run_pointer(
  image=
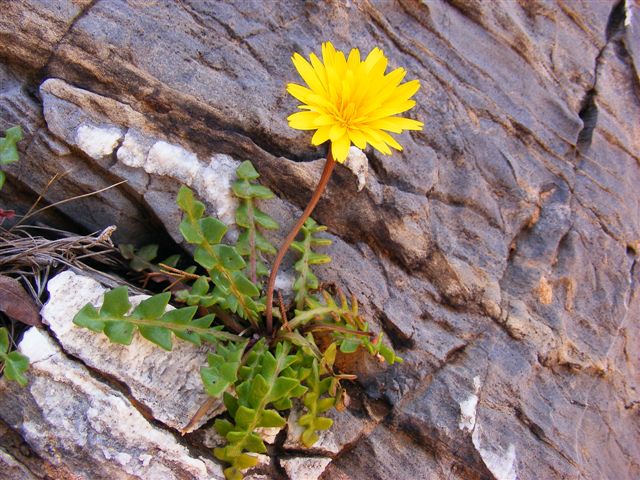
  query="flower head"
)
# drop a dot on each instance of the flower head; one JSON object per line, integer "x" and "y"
{"x": 349, "y": 100}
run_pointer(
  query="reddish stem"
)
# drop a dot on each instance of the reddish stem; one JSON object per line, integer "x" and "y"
{"x": 322, "y": 183}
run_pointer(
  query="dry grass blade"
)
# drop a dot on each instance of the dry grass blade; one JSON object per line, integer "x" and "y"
{"x": 21, "y": 251}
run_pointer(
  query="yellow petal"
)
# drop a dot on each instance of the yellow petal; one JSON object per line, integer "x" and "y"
{"x": 396, "y": 124}
{"x": 321, "y": 135}
{"x": 307, "y": 73}
{"x": 391, "y": 109}
{"x": 358, "y": 138}
{"x": 389, "y": 140}
{"x": 303, "y": 120}
{"x": 340, "y": 148}
{"x": 354, "y": 59}
{"x": 337, "y": 131}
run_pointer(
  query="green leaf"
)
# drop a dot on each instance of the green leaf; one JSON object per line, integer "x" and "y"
{"x": 16, "y": 364}
{"x": 4, "y": 340}
{"x": 246, "y": 171}
{"x": 245, "y": 286}
{"x": 204, "y": 258}
{"x": 254, "y": 443}
{"x": 88, "y": 317}
{"x": 271, "y": 419}
{"x": 191, "y": 231}
{"x": 159, "y": 335}
{"x": 222, "y": 371}
{"x": 119, "y": 332}
{"x": 179, "y": 316}
{"x": 148, "y": 252}
{"x": 152, "y": 307}
{"x": 258, "y": 391}
{"x": 223, "y": 426}
{"x": 264, "y": 245}
{"x": 228, "y": 257}
{"x": 244, "y": 189}
{"x": 264, "y": 220}
{"x": 3, "y": 177}
{"x": 245, "y": 417}
{"x": 213, "y": 230}
{"x": 115, "y": 303}
{"x": 8, "y": 146}
{"x": 282, "y": 387}
{"x": 246, "y": 461}
{"x": 193, "y": 208}
{"x": 242, "y": 216}
{"x": 349, "y": 345}
{"x": 330, "y": 355}
{"x": 309, "y": 437}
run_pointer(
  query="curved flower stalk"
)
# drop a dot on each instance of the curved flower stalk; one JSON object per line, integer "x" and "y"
{"x": 347, "y": 101}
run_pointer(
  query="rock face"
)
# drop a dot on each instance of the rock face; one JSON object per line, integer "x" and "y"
{"x": 498, "y": 251}
{"x": 86, "y": 429}
{"x": 167, "y": 384}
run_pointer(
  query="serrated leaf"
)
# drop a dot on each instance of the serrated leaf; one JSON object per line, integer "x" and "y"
{"x": 264, "y": 220}
{"x": 283, "y": 404}
{"x": 245, "y": 286}
{"x": 119, "y": 332}
{"x": 212, "y": 229}
{"x": 349, "y": 345}
{"x": 264, "y": 245}
{"x": 283, "y": 386}
{"x": 230, "y": 402}
{"x": 323, "y": 423}
{"x": 16, "y": 364}
{"x": 115, "y": 303}
{"x": 309, "y": 438}
{"x": 254, "y": 443}
{"x": 152, "y": 307}
{"x": 192, "y": 207}
{"x": 228, "y": 257}
{"x": 258, "y": 391}
{"x": 271, "y": 419}
{"x": 191, "y": 232}
{"x": 88, "y": 317}
{"x": 181, "y": 316}
{"x": 246, "y": 461}
{"x": 247, "y": 171}
{"x": 158, "y": 335}
{"x": 8, "y": 146}
{"x": 223, "y": 426}
{"x": 245, "y": 417}
{"x": 325, "y": 404}
{"x": 204, "y": 258}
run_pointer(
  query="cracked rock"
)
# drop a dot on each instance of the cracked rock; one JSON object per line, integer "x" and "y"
{"x": 166, "y": 383}
{"x": 85, "y": 428}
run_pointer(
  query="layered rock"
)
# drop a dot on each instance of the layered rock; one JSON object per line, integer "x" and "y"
{"x": 498, "y": 251}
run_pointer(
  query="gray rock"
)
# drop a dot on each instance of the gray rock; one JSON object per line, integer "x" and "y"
{"x": 13, "y": 469}
{"x": 85, "y": 428}
{"x": 166, "y": 383}
{"x": 305, "y": 468}
{"x": 501, "y": 244}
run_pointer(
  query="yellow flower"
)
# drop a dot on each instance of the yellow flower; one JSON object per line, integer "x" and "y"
{"x": 352, "y": 101}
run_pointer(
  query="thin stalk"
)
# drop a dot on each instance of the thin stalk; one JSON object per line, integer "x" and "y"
{"x": 322, "y": 183}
